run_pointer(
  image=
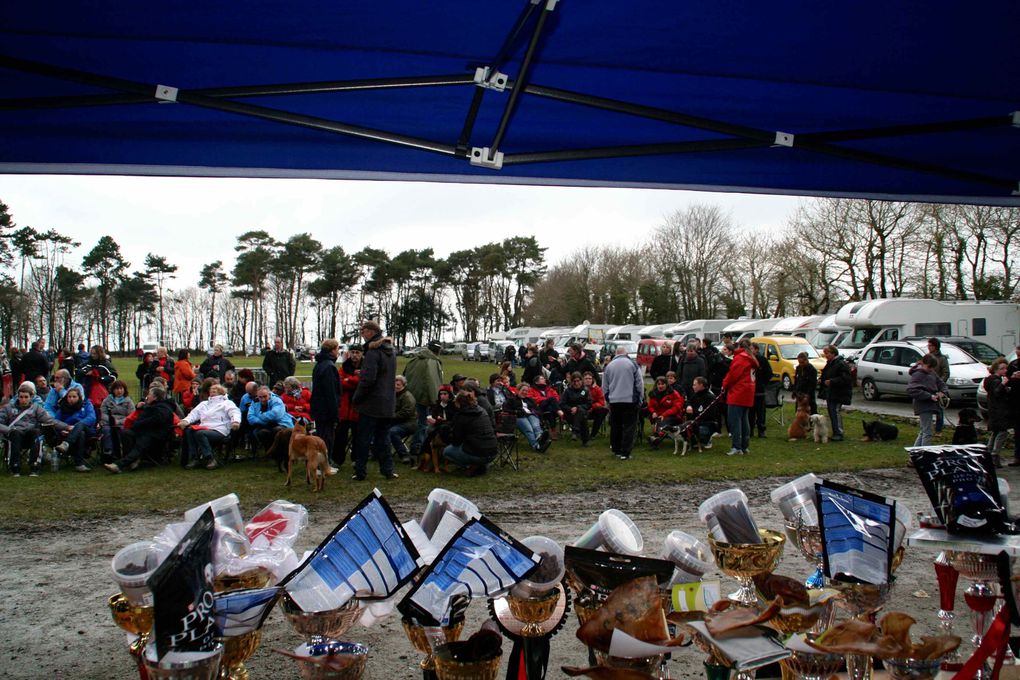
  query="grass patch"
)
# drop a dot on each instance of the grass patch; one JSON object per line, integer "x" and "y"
{"x": 67, "y": 495}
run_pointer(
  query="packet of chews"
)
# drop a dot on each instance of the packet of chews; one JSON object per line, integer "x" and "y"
{"x": 602, "y": 572}
{"x": 242, "y": 611}
{"x": 368, "y": 555}
{"x": 182, "y": 592}
{"x": 857, "y": 533}
{"x": 695, "y": 597}
{"x": 480, "y": 560}
{"x": 961, "y": 484}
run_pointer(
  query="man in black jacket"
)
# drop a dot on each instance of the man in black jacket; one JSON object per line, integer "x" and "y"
{"x": 579, "y": 362}
{"x": 278, "y": 362}
{"x": 762, "y": 377}
{"x": 34, "y": 362}
{"x": 324, "y": 406}
{"x": 151, "y": 431}
{"x": 375, "y": 399}
{"x": 836, "y": 386}
{"x": 472, "y": 436}
{"x": 805, "y": 381}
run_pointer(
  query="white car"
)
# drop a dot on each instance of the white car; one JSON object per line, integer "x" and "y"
{"x": 884, "y": 368}
{"x": 469, "y": 351}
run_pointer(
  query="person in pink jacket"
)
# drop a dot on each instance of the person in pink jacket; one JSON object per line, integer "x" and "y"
{"x": 739, "y": 387}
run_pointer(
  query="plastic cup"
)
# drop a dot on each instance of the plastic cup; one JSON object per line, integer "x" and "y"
{"x": 689, "y": 555}
{"x": 550, "y": 550}
{"x": 441, "y": 501}
{"x": 132, "y": 566}
{"x": 226, "y": 510}
{"x": 798, "y": 498}
{"x": 615, "y": 532}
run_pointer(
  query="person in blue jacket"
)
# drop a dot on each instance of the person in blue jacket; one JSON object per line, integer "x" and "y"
{"x": 267, "y": 415}
{"x": 62, "y": 382}
{"x": 76, "y": 423}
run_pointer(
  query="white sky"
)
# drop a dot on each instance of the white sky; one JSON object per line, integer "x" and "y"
{"x": 194, "y": 221}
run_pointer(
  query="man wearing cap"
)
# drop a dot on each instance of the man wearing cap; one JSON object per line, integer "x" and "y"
{"x": 424, "y": 373}
{"x": 457, "y": 382}
{"x": 375, "y": 398}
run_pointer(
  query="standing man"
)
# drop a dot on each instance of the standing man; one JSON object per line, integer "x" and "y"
{"x": 805, "y": 381}
{"x": 375, "y": 400}
{"x": 532, "y": 364}
{"x": 624, "y": 390}
{"x": 424, "y": 374}
{"x": 278, "y": 362}
{"x": 762, "y": 377}
{"x": 34, "y": 363}
{"x": 836, "y": 388}
{"x": 324, "y": 405}
{"x": 942, "y": 371}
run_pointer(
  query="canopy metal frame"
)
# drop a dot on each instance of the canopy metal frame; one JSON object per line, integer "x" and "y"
{"x": 533, "y": 16}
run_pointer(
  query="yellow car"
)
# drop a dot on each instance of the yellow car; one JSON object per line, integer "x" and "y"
{"x": 782, "y": 351}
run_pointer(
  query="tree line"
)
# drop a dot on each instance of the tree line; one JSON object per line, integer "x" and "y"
{"x": 699, "y": 265}
{"x": 297, "y": 289}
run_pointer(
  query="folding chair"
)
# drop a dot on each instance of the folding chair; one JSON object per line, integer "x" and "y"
{"x": 774, "y": 402}
{"x": 508, "y": 452}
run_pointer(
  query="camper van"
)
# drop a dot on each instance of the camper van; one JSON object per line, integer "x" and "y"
{"x": 631, "y": 332}
{"x": 698, "y": 329}
{"x": 871, "y": 321}
{"x": 826, "y": 333}
{"x": 748, "y": 328}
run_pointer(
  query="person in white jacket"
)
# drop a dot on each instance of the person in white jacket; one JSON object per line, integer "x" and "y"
{"x": 208, "y": 425}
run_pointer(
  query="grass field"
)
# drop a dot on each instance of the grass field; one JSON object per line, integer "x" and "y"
{"x": 56, "y": 498}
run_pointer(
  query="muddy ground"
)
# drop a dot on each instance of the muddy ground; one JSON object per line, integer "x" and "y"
{"x": 56, "y": 623}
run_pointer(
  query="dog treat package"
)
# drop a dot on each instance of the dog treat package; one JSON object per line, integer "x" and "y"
{"x": 481, "y": 560}
{"x": 858, "y": 533}
{"x": 601, "y": 572}
{"x": 182, "y": 591}
{"x": 368, "y": 555}
{"x": 962, "y": 487}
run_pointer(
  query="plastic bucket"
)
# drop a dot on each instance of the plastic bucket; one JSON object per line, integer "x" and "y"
{"x": 615, "y": 532}
{"x": 132, "y": 566}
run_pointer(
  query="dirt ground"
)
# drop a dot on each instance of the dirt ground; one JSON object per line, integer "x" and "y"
{"x": 56, "y": 623}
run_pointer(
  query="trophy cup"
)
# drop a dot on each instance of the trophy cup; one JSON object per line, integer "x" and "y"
{"x": 329, "y": 660}
{"x": 980, "y": 595}
{"x": 321, "y": 627}
{"x": 808, "y": 538}
{"x": 744, "y": 561}
{"x": 947, "y": 577}
{"x": 135, "y": 619}
{"x": 448, "y": 668}
{"x": 861, "y": 601}
{"x": 239, "y": 648}
{"x": 183, "y": 665}
{"x": 418, "y": 637}
{"x": 913, "y": 669}
{"x": 806, "y": 663}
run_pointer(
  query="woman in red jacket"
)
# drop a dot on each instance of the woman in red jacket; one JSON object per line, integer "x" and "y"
{"x": 739, "y": 387}
{"x": 350, "y": 375}
{"x": 297, "y": 399}
{"x": 665, "y": 409}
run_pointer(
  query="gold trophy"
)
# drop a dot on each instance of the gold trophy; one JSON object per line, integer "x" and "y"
{"x": 419, "y": 640}
{"x": 744, "y": 561}
{"x": 239, "y": 648}
{"x": 132, "y": 618}
{"x": 343, "y": 661}
{"x": 803, "y": 664}
{"x": 861, "y": 601}
{"x": 205, "y": 667}
{"x": 449, "y": 669}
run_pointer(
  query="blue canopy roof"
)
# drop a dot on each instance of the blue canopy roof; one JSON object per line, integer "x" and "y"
{"x": 877, "y": 99}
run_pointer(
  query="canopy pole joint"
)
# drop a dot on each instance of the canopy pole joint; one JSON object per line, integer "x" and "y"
{"x": 783, "y": 139}
{"x": 166, "y": 94}
{"x": 492, "y": 81}
{"x": 486, "y": 158}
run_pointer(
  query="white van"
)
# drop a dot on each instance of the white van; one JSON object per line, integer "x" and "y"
{"x": 894, "y": 318}
{"x": 630, "y": 332}
{"x": 748, "y": 328}
{"x": 697, "y": 329}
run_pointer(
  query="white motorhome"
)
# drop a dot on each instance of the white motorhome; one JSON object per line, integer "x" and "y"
{"x": 697, "y": 329}
{"x": 523, "y": 335}
{"x": 629, "y": 332}
{"x": 994, "y": 322}
{"x": 657, "y": 330}
{"x": 828, "y": 332}
{"x": 749, "y": 328}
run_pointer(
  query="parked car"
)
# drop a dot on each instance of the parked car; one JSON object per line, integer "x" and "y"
{"x": 884, "y": 368}
{"x": 781, "y": 352}
{"x": 609, "y": 349}
{"x": 459, "y": 349}
{"x": 482, "y": 352}
{"x": 982, "y": 395}
{"x": 648, "y": 349}
{"x": 469, "y": 350}
{"x": 981, "y": 351}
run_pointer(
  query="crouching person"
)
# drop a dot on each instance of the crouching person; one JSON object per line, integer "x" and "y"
{"x": 75, "y": 424}
{"x": 21, "y": 420}
{"x": 472, "y": 437}
{"x": 149, "y": 432}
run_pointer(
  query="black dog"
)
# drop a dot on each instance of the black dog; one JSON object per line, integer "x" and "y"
{"x": 280, "y": 448}
{"x": 965, "y": 432}
{"x": 877, "y": 431}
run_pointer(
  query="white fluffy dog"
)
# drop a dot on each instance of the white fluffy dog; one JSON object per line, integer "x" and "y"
{"x": 819, "y": 428}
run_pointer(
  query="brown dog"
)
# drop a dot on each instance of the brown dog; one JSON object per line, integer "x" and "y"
{"x": 801, "y": 420}
{"x": 312, "y": 450}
